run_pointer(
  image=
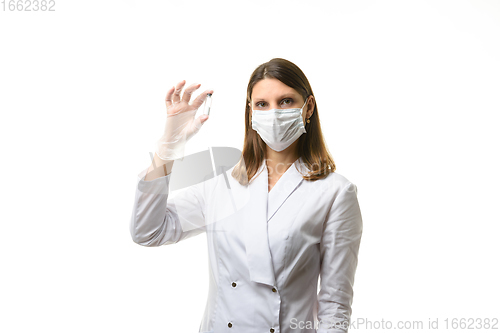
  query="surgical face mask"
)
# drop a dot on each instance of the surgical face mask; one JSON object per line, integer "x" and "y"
{"x": 279, "y": 128}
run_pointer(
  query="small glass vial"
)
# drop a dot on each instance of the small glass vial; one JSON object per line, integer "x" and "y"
{"x": 208, "y": 104}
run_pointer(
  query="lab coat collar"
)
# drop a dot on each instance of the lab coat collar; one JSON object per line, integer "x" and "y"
{"x": 264, "y": 205}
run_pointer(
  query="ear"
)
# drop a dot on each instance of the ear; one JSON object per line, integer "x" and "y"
{"x": 310, "y": 106}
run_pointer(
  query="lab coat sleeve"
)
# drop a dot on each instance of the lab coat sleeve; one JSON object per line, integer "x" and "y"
{"x": 339, "y": 248}
{"x": 156, "y": 221}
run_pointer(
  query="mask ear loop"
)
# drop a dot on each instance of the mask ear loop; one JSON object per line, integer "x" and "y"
{"x": 307, "y": 119}
{"x": 305, "y": 103}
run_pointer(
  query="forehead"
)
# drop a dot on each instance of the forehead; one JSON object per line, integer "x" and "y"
{"x": 270, "y": 88}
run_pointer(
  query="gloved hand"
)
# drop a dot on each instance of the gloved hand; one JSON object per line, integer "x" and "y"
{"x": 180, "y": 125}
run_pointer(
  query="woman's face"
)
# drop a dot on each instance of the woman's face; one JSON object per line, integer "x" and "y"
{"x": 270, "y": 93}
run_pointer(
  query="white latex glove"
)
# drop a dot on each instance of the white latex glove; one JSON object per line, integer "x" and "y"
{"x": 180, "y": 125}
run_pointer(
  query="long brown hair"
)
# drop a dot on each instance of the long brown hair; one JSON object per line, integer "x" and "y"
{"x": 311, "y": 146}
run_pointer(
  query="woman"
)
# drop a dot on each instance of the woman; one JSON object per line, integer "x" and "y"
{"x": 283, "y": 218}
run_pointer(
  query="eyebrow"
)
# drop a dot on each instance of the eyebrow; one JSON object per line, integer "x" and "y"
{"x": 289, "y": 95}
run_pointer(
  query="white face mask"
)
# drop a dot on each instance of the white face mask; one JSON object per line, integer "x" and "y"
{"x": 279, "y": 128}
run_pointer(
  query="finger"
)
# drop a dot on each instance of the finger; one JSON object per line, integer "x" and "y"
{"x": 177, "y": 92}
{"x": 201, "y": 98}
{"x": 186, "y": 96}
{"x": 168, "y": 99}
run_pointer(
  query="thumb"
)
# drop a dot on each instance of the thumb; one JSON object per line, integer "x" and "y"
{"x": 198, "y": 122}
{"x": 203, "y": 118}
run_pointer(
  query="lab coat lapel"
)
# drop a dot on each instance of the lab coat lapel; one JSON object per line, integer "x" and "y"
{"x": 260, "y": 264}
{"x": 258, "y": 252}
{"x": 287, "y": 183}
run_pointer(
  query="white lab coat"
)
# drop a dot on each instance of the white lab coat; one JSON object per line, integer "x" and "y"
{"x": 266, "y": 250}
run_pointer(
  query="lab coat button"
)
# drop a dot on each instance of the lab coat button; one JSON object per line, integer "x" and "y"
{"x": 274, "y": 290}
{"x": 234, "y": 284}
{"x": 229, "y": 325}
{"x": 271, "y": 330}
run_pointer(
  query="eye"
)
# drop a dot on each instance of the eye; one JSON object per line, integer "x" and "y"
{"x": 260, "y": 104}
{"x": 287, "y": 101}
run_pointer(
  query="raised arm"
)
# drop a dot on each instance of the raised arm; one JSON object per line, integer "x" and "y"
{"x": 157, "y": 220}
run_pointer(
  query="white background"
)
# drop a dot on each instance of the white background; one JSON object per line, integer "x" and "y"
{"x": 408, "y": 97}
